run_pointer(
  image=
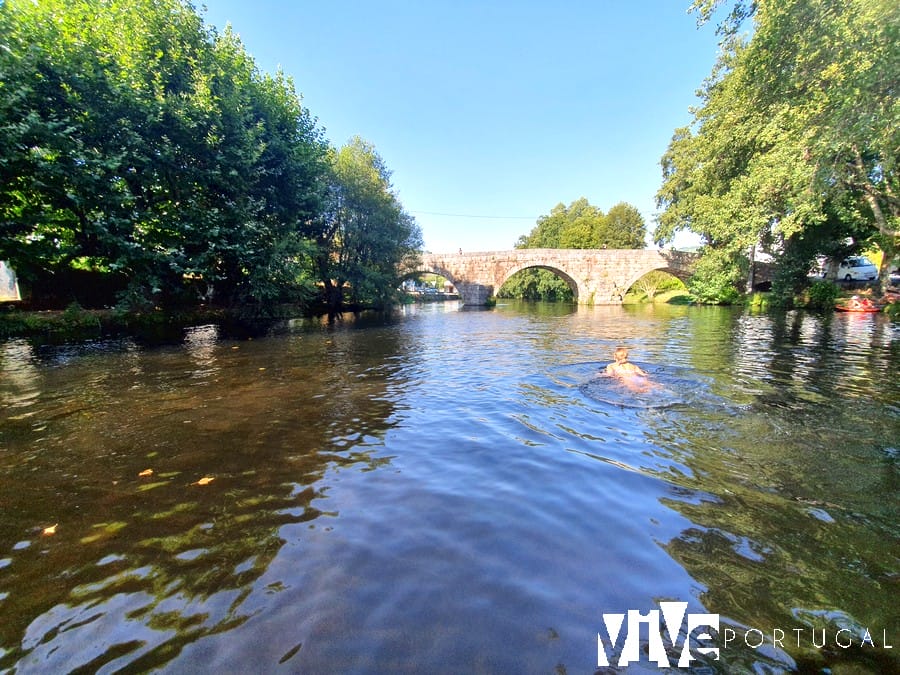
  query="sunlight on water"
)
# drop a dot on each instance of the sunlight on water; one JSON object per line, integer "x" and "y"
{"x": 451, "y": 491}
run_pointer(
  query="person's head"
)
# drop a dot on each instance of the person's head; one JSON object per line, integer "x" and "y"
{"x": 621, "y": 355}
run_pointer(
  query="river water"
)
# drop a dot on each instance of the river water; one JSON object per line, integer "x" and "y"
{"x": 448, "y": 491}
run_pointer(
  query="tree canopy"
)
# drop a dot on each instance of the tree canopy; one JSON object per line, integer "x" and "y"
{"x": 795, "y": 143}
{"x": 136, "y": 141}
{"x": 364, "y": 230}
{"x": 582, "y": 225}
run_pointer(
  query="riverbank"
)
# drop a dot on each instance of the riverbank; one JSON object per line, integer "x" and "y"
{"x": 822, "y": 297}
{"x": 76, "y": 323}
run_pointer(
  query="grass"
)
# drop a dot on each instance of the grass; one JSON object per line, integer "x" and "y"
{"x": 677, "y": 296}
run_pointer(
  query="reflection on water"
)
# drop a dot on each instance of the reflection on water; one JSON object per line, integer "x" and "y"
{"x": 445, "y": 491}
{"x": 19, "y": 378}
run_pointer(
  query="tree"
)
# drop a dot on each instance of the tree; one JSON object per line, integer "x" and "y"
{"x": 798, "y": 126}
{"x": 136, "y": 140}
{"x": 582, "y": 225}
{"x": 623, "y": 227}
{"x": 365, "y": 234}
{"x": 275, "y": 183}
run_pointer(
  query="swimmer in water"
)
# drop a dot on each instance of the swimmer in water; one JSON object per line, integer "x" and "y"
{"x": 631, "y": 375}
{"x": 622, "y": 367}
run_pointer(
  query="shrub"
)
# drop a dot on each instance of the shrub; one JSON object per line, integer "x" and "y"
{"x": 716, "y": 278}
{"x": 822, "y": 295}
{"x": 759, "y": 301}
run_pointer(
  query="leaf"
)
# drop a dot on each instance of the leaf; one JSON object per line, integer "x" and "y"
{"x": 206, "y": 480}
{"x": 47, "y": 531}
{"x": 145, "y": 473}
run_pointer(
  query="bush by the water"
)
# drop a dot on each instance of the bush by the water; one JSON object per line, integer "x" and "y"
{"x": 822, "y": 295}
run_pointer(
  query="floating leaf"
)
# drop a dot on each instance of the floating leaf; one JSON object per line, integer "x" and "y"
{"x": 206, "y": 480}
{"x": 47, "y": 531}
{"x": 145, "y": 473}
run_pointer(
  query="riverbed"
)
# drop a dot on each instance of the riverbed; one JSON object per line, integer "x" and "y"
{"x": 444, "y": 491}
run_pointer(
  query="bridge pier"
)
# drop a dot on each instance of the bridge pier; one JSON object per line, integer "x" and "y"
{"x": 474, "y": 295}
{"x": 600, "y": 292}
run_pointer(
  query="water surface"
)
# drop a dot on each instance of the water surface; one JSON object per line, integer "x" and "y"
{"x": 450, "y": 491}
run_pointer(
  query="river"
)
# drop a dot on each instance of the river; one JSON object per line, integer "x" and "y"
{"x": 450, "y": 491}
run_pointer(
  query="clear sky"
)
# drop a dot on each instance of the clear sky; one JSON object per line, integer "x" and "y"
{"x": 491, "y": 112}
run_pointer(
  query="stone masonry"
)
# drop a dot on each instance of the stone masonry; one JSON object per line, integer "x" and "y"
{"x": 596, "y": 276}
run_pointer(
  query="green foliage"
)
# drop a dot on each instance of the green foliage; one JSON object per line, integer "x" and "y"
{"x": 623, "y": 227}
{"x": 655, "y": 282}
{"x": 796, "y": 135}
{"x": 715, "y": 280}
{"x": 537, "y": 284}
{"x": 681, "y": 299}
{"x": 138, "y": 141}
{"x": 582, "y": 225}
{"x": 758, "y": 301}
{"x": 365, "y": 232}
{"x": 822, "y": 295}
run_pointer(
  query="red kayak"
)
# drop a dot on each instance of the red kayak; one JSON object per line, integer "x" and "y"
{"x": 866, "y": 309}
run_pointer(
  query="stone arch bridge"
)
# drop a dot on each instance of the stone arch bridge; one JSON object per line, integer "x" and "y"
{"x": 596, "y": 276}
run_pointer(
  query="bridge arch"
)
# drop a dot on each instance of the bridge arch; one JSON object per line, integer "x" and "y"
{"x": 678, "y": 273}
{"x": 425, "y": 268}
{"x": 562, "y": 274}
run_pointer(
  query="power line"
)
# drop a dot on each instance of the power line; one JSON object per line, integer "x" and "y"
{"x": 470, "y": 215}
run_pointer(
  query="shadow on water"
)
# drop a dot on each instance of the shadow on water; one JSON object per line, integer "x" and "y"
{"x": 115, "y": 444}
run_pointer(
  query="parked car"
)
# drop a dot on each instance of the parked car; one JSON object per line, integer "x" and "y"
{"x": 894, "y": 278}
{"x": 857, "y": 268}
{"x": 816, "y": 272}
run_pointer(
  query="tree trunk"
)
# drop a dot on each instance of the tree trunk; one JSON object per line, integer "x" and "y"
{"x": 334, "y": 297}
{"x": 333, "y": 288}
{"x": 751, "y": 281}
{"x": 871, "y": 196}
{"x": 888, "y": 235}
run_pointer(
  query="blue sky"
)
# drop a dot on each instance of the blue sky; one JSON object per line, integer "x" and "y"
{"x": 490, "y": 113}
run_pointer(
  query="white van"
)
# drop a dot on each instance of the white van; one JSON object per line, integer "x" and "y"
{"x": 857, "y": 268}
